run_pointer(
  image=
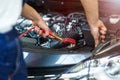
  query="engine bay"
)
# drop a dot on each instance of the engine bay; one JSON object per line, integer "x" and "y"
{"x": 74, "y": 25}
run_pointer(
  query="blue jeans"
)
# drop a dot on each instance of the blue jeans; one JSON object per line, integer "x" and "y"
{"x": 12, "y": 65}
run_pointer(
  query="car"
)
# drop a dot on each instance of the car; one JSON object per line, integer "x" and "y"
{"x": 49, "y": 59}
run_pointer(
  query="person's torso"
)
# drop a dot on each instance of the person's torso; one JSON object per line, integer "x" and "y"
{"x": 10, "y": 10}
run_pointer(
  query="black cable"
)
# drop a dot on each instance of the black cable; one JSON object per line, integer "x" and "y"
{"x": 89, "y": 70}
{"x": 89, "y": 67}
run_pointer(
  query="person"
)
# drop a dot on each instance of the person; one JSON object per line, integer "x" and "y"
{"x": 97, "y": 27}
{"x": 12, "y": 65}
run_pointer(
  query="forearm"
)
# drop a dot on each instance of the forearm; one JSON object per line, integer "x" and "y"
{"x": 91, "y": 10}
{"x": 32, "y": 14}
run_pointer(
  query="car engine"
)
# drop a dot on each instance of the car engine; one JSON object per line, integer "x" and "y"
{"x": 74, "y": 25}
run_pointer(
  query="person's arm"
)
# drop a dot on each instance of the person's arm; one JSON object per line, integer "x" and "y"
{"x": 32, "y": 14}
{"x": 98, "y": 29}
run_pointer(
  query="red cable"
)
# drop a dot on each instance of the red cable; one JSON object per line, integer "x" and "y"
{"x": 23, "y": 34}
{"x": 65, "y": 40}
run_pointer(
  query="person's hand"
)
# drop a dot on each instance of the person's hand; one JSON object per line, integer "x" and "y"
{"x": 98, "y": 31}
{"x": 41, "y": 30}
